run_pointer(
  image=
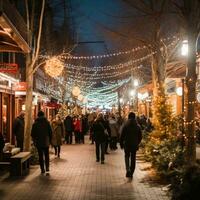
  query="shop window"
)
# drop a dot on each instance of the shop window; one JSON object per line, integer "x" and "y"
{"x": 5, "y": 117}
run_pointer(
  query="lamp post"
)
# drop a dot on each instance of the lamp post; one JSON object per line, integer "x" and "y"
{"x": 184, "y": 52}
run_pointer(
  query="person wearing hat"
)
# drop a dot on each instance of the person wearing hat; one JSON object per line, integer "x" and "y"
{"x": 41, "y": 134}
{"x": 130, "y": 139}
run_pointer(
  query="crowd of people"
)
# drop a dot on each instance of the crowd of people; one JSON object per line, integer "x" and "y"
{"x": 105, "y": 131}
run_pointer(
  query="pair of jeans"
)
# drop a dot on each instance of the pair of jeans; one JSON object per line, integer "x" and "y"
{"x": 113, "y": 143}
{"x": 20, "y": 144}
{"x": 77, "y": 136}
{"x": 130, "y": 160}
{"x": 43, "y": 153}
{"x": 57, "y": 150}
{"x": 100, "y": 146}
{"x": 68, "y": 137}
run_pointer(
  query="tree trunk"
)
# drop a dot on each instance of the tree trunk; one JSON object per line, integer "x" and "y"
{"x": 28, "y": 104}
{"x": 30, "y": 64}
{"x": 158, "y": 66}
{"x": 191, "y": 79}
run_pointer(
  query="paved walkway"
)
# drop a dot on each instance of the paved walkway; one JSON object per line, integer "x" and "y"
{"x": 76, "y": 176}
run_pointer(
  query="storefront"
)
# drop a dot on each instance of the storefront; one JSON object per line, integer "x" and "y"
{"x": 7, "y": 106}
{"x": 38, "y": 103}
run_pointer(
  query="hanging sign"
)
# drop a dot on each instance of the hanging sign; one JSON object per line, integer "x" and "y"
{"x": 53, "y": 105}
{"x": 9, "y": 67}
{"x": 21, "y": 86}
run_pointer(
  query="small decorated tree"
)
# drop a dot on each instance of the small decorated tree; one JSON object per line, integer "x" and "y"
{"x": 163, "y": 147}
{"x": 63, "y": 111}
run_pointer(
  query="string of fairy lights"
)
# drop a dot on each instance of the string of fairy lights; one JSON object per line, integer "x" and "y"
{"x": 86, "y": 76}
{"x": 68, "y": 56}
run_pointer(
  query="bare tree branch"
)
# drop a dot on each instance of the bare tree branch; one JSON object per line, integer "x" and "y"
{"x": 39, "y": 35}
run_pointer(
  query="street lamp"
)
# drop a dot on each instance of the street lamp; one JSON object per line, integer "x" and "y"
{"x": 184, "y": 48}
{"x": 135, "y": 83}
{"x": 179, "y": 91}
{"x": 132, "y": 93}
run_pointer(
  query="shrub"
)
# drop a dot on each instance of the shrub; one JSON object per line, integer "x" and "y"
{"x": 165, "y": 154}
{"x": 34, "y": 158}
{"x": 185, "y": 185}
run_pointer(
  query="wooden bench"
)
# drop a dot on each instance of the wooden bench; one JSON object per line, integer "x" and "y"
{"x": 20, "y": 163}
{"x": 8, "y": 154}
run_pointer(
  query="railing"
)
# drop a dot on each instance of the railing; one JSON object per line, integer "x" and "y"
{"x": 15, "y": 18}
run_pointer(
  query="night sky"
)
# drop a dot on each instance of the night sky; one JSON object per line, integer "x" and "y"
{"x": 105, "y": 23}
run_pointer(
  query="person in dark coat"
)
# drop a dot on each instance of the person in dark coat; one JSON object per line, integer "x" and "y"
{"x": 98, "y": 130}
{"x": 68, "y": 123}
{"x": 18, "y": 130}
{"x": 130, "y": 139}
{"x": 84, "y": 131}
{"x": 2, "y": 144}
{"x": 108, "y": 135}
{"x": 41, "y": 134}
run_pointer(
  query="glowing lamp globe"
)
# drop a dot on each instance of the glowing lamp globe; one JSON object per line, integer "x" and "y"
{"x": 76, "y": 91}
{"x": 198, "y": 97}
{"x": 184, "y": 48}
{"x": 179, "y": 91}
{"x": 85, "y": 100}
{"x": 132, "y": 93}
{"x": 80, "y": 97}
{"x": 54, "y": 67}
{"x": 136, "y": 83}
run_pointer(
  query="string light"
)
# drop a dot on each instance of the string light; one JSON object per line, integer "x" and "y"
{"x": 92, "y": 57}
{"x": 113, "y": 74}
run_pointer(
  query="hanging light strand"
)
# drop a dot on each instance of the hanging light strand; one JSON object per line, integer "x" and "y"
{"x": 119, "y": 53}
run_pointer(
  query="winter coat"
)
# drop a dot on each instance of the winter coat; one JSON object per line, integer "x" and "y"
{"x": 2, "y": 143}
{"x": 77, "y": 125}
{"x": 18, "y": 128}
{"x": 98, "y": 130}
{"x": 85, "y": 125}
{"x": 68, "y": 123}
{"x": 131, "y": 135}
{"x": 41, "y": 132}
{"x": 113, "y": 128}
{"x": 57, "y": 132}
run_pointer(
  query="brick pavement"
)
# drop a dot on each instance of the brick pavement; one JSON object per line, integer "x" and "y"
{"x": 76, "y": 176}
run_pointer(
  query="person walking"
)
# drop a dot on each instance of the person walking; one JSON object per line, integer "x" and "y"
{"x": 107, "y": 130}
{"x": 130, "y": 139}
{"x": 68, "y": 123}
{"x": 41, "y": 134}
{"x": 98, "y": 130}
{"x": 57, "y": 134}
{"x": 84, "y": 128}
{"x": 18, "y": 130}
{"x": 113, "y": 132}
{"x": 77, "y": 130}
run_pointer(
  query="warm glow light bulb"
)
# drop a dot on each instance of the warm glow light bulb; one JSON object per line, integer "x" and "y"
{"x": 184, "y": 48}
{"x": 179, "y": 91}
{"x": 135, "y": 83}
{"x": 132, "y": 93}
